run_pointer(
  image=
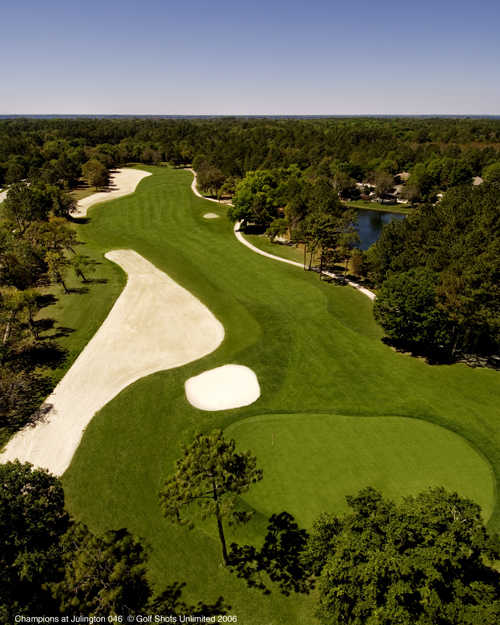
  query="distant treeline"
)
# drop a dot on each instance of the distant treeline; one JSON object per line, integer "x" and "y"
{"x": 57, "y": 148}
{"x": 292, "y": 177}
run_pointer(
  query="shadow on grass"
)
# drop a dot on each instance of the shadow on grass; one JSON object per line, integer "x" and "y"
{"x": 96, "y": 281}
{"x": 78, "y": 220}
{"x": 280, "y": 560}
{"x": 80, "y": 290}
{"x": 45, "y": 353}
{"x": 440, "y": 356}
{"x": 43, "y": 326}
{"x": 44, "y": 300}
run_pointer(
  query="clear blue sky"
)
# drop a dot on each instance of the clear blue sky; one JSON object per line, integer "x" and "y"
{"x": 274, "y": 57}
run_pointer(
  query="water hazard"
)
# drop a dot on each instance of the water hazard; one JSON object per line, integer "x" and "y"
{"x": 370, "y": 224}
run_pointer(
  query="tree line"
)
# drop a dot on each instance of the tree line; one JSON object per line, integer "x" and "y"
{"x": 226, "y": 149}
{"x": 52, "y": 565}
{"x": 38, "y": 247}
{"x": 438, "y": 275}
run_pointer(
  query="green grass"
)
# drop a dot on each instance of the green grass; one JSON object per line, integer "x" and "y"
{"x": 396, "y": 455}
{"x": 79, "y": 314}
{"x": 315, "y": 349}
{"x": 82, "y": 192}
{"x": 285, "y": 251}
{"x": 375, "y": 206}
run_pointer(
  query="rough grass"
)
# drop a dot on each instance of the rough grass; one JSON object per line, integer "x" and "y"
{"x": 315, "y": 349}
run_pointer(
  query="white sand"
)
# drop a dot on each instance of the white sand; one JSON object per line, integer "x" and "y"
{"x": 3, "y": 195}
{"x": 229, "y": 386}
{"x": 210, "y": 216}
{"x": 122, "y": 182}
{"x": 155, "y": 324}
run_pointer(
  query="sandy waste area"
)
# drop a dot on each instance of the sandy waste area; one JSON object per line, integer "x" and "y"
{"x": 122, "y": 182}
{"x": 154, "y": 325}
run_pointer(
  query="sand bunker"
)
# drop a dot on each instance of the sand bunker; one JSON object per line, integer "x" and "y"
{"x": 230, "y": 386}
{"x": 210, "y": 216}
{"x": 122, "y": 182}
{"x": 155, "y": 324}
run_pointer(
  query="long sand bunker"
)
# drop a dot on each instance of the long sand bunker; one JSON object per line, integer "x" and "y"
{"x": 154, "y": 325}
{"x": 122, "y": 182}
{"x": 211, "y": 216}
{"x": 223, "y": 388}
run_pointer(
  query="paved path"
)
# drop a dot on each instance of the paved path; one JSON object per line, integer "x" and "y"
{"x": 241, "y": 239}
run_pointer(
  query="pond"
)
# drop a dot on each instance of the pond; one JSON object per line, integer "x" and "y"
{"x": 370, "y": 224}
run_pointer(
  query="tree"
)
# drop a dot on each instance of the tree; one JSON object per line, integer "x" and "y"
{"x": 32, "y": 521}
{"x": 57, "y": 264}
{"x": 15, "y": 170}
{"x": 16, "y": 307}
{"x": 346, "y": 244}
{"x": 492, "y": 173}
{"x": 280, "y": 558}
{"x": 319, "y": 235}
{"x": 455, "y": 247}
{"x": 345, "y": 185}
{"x": 424, "y": 561}
{"x": 14, "y": 304}
{"x": 210, "y": 179}
{"x": 25, "y": 204}
{"x": 358, "y": 262}
{"x": 330, "y": 236}
{"x": 278, "y": 227}
{"x": 82, "y": 266}
{"x": 51, "y": 565}
{"x": 210, "y": 474}
{"x": 256, "y": 199}
{"x": 102, "y": 574}
{"x": 406, "y": 307}
{"x": 21, "y": 395}
{"x": 95, "y": 173}
{"x": 384, "y": 183}
{"x": 321, "y": 197}
{"x": 62, "y": 203}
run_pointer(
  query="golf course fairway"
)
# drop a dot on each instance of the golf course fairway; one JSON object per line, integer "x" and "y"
{"x": 317, "y": 354}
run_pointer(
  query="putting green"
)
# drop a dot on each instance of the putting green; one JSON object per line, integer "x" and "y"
{"x": 396, "y": 455}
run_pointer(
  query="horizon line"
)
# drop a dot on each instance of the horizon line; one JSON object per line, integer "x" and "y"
{"x": 199, "y": 115}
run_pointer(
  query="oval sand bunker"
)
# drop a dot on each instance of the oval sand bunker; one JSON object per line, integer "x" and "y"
{"x": 210, "y": 216}
{"x": 229, "y": 386}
